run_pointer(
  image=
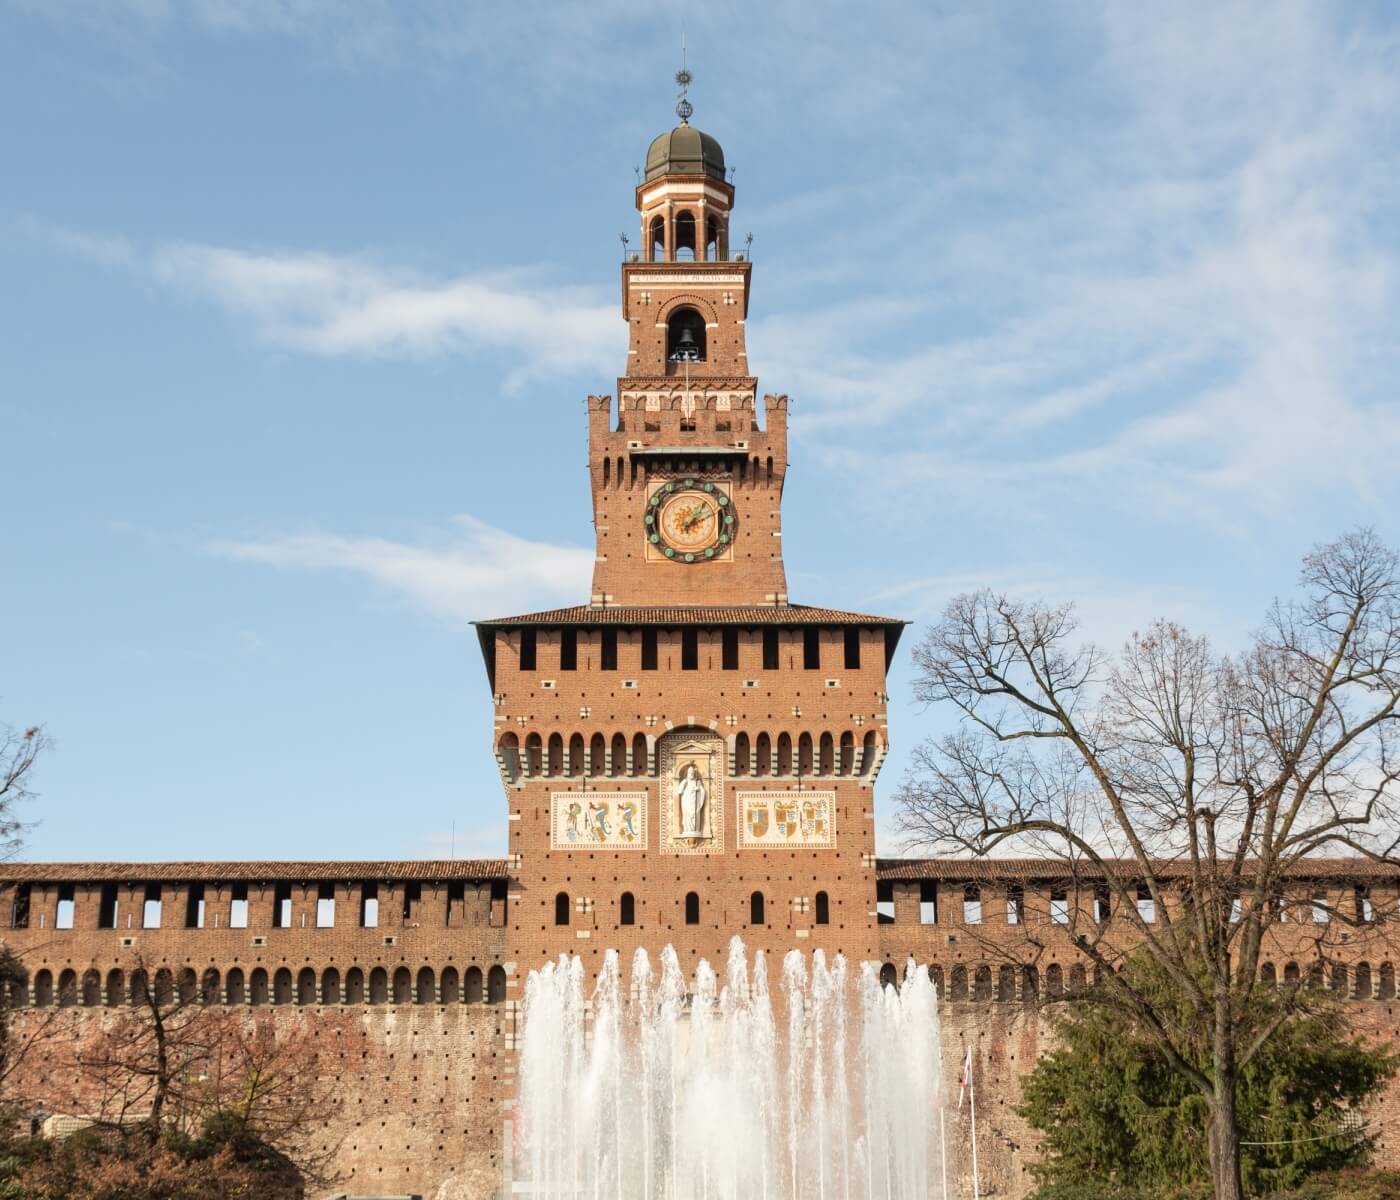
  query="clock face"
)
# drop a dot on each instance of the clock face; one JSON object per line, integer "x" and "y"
{"x": 690, "y": 521}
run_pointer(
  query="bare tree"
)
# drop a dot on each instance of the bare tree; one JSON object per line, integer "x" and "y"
{"x": 1191, "y": 787}
{"x": 19, "y": 751}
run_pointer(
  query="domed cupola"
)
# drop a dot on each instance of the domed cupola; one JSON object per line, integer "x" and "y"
{"x": 685, "y": 151}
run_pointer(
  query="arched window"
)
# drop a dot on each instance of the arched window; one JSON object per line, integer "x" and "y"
{"x": 889, "y": 977}
{"x": 1030, "y": 985}
{"x": 756, "y": 908}
{"x": 496, "y": 985}
{"x": 1268, "y": 975}
{"x": 43, "y": 989}
{"x": 473, "y": 985}
{"x": 68, "y": 988}
{"x": 1339, "y": 980}
{"x": 555, "y": 765}
{"x": 354, "y": 986}
{"x": 426, "y": 992}
{"x": 403, "y": 986}
{"x": 330, "y": 986}
{"x": 534, "y": 754}
{"x": 575, "y": 765}
{"x": 784, "y": 754}
{"x": 209, "y": 987}
{"x": 867, "y": 753}
{"x": 935, "y": 974}
{"x": 561, "y": 908}
{"x": 804, "y": 754}
{"x": 741, "y": 754}
{"x": 957, "y": 989}
{"x": 692, "y": 908}
{"x": 639, "y": 754}
{"x": 92, "y": 989}
{"x": 189, "y": 986}
{"x": 450, "y": 993}
{"x": 763, "y": 755}
{"x": 234, "y": 990}
{"x": 656, "y": 243}
{"x": 685, "y": 237}
{"x": 828, "y": 755}
{"x": 1006, "y": 984}
{"x": 306, "y": 986}
{"x": 378, "y": 986}
{"x": 140, "y": 992}
{"x": 257, "y": 986}
{"x": 597, "y": 754}
{"x": 1054, "y": 981}
{"x": 627, "y": 909}
{"x": 1290, "y": 973}
{"x": 282, "y": 986}
{"x": 1362, "y": 986}
{"x": 1078, "y": 981}
{"x": 1386, "y": 990}
{"x": 823, "y": 909}
{"x": 848, "y": 753}
{"x": 165, "y": 987}
{"x": 982, "y": 984}
{"x": 685, "y": 336}
{"x": 711, "y": 239}
{"x": 510, "y": 756}
{"x": 618, "y": 765}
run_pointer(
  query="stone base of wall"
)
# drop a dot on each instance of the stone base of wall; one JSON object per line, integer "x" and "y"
{"x": 426, "y": 1092}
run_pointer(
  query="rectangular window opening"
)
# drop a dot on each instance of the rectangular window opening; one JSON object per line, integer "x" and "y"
{"x": 811, "y": 650}
{"x": 649, "y": 653}
{"x": 1015, "y": 905}
{"x": 282, "y": 906}
{"x": 150, "y": 910}
{"x": 527, "y": 650}
{"x": 412, "y": 897}
{"x": 690, "y": 649}
{"x": 194, "y": 906}
{"x": 852, "y": 649}
{"x": 884, "y": 902}
{"x": 568, "y": 649}
{"x": 730, "y": 660}
{"x": 928, "y": 902}
{"x": 608, "y": 655}
{"x": 770, "y": 649}
{"x": 107, "y": 907}
{"x": 369, "y": 906}
{"x": 63, "y": 917}
{"x": 19, "y": 915}
{"x": 238, "y": 907}
{"x": 325, "y": 906}
{"x": 456, "y": 902}
{"x": 1059, "y": 908}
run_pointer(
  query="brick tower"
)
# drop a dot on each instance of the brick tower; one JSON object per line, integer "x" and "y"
{"x": 689, "y": 755}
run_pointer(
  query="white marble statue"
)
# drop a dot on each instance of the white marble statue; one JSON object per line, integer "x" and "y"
{"x": 691, "y": 791}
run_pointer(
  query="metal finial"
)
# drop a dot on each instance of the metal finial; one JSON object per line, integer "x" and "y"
{"x": 683, "y": 80}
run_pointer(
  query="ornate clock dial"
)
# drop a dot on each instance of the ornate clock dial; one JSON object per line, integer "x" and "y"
{"x": 690, "y": 521}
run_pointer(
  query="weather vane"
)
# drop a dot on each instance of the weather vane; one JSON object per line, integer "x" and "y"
{"x": 683, "y": 78}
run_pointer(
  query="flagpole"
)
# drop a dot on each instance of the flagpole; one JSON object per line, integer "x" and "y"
{"x": 972, "y": 1096}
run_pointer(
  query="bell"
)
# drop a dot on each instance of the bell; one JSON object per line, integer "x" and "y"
{"x": 686, "y": 349}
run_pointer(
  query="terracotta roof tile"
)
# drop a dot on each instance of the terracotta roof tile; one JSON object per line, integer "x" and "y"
{"x": 992, "y": 869}
{"x": 756, "y": 614}
{"x": 174, "y": 872}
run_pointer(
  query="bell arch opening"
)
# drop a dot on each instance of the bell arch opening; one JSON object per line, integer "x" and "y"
{"x": 685, "y": 336}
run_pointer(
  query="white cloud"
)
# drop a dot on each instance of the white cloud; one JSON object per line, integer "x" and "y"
{"x": 475, "y": 572}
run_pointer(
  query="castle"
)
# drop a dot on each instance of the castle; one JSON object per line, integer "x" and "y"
{"x": 687, "y": 755}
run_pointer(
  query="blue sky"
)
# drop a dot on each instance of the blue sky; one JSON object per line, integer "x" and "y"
{"x": 301, "y": 301}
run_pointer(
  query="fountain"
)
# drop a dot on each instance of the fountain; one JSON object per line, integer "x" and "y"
{"x": 659, "y": 1093}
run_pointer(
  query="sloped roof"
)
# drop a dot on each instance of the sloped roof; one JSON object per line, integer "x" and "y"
{"x": 751, "y": 614}
{"x": 980, "y": 870}
{"x": 255, "y": 871}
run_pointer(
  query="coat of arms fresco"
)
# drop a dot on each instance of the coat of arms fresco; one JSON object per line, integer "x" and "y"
{"x": 806, "y": 819}
{"x": 597, "y": 821}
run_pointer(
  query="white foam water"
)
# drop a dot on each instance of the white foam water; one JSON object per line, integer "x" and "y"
{"x": 829, "y": 1090}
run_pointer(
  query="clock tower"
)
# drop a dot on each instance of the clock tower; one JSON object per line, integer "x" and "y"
{"x": 689, "y": 755}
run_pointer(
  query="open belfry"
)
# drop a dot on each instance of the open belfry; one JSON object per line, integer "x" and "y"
{"x": 689, "y": 754}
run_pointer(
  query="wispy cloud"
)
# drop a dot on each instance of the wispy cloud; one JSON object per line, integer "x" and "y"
{"x": 473, "y": 571}
{"x": 337, "y": 305}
